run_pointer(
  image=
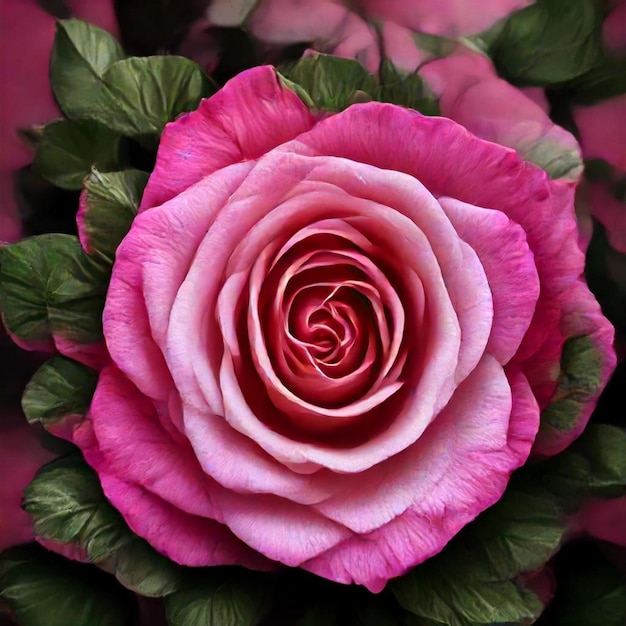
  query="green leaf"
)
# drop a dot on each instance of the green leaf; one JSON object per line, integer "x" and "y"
{"x": 151, "y": 91}
{"x": 579, "y": 380}
{"x": 593, "y": 466}
{"x": 330, "y": 83}
{"x": 550, "y": 42}
{"x": 231, "y": 598}
{"x": 50, "y": 288}
{"x": 44, "y": 589}
{"x": 605, "y": 80}
{"x": 69, "y": 149}
{"x": 554, "y": 158}
{"x": 135, "y": 97}
{"x": 67, "y": 505}
{"x": 80, "y": 56}
{"x": 474, "y": 579}
{"x": 61, "y": 387}
{"x": 405, "y": 90}
{"x": 591, "y": 590}
{"x": 110, "y": 202}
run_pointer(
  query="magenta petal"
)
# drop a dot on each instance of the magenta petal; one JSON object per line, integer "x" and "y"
{"x": 151, "y": 263}
{"x": 581, "y": 316}
{"x": 184, "y": 538}
{"x": 134, "y": 446}
{"x": 250, "y": 115}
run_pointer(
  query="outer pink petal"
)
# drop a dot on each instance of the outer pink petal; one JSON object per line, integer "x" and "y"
{"x": 602, "y": 130}
{"x": 151, "y": 263}
{"x": 472, "y": 94}
{"x": 446, "y": 18}
{"x": 459, "y": 469}
{"x": 181, "y": 536}
{"x": 581, "y": 316}
{"x": 132, "y": 447}
{"x": 483, "y": 175}
{"x": 250, "y": 115}
{"x": 510, "y": 267}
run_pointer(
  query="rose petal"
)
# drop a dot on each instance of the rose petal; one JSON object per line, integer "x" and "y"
{"x": 181, "y": 536}
{"x": 446, "y": 18}
{"x": 472, "y": 94}
{"x": 427, "y": 493}
{"x": 509, "y": 264}
{"x": 227, "y": 128}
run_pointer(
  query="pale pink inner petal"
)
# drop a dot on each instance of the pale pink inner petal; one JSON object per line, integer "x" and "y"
{"x": 509, "y": 264}
{"x": 386, "y": 221}
{"x": 458, "y": 468}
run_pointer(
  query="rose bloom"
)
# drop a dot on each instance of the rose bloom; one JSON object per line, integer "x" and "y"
{"x": 350, "y": 28}
{"x": 331, "y": 336}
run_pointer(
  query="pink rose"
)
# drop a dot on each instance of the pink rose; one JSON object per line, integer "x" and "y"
{"x": 331, "y": 336}
{"x": 349, "y": 29}
{"x": 26, "y": 36}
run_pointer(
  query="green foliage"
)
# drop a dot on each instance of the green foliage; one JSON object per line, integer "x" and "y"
{"x": 591, "y": 590}
{"x": 59, "y": 388}
{"x": 593, "y": 466}
{"x": 331, "y": 83}
{"x": 579, "y": 380}
{"x": 474, "y": 579}
{"x": 133, "y": 96}
{"x": 327, "y": 83}
{"x": 550, "y": 42}
{"x": 67, "y": 505}
{"x": 69, "y": 149}
{"x": 405, "y": 90}
{"x": 110, "y": 202}
{"x": 241, "y": 599}
{"x": 44, "y": 589}
{"x": 49, "y": 287}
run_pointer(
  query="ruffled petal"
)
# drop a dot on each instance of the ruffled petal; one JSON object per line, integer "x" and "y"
{"x": 230, "y": 127}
